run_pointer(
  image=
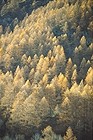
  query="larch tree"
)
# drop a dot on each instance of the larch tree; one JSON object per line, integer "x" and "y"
{"x": 89, "y": 77}
{"x": 69, "y": 135}
{"x": 68, "y": 70}
{"x": 74, "y": 77}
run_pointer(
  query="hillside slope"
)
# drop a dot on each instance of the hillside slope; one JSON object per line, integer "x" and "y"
{"x": 46, "y": 72}
{"x": 13, "y": 11}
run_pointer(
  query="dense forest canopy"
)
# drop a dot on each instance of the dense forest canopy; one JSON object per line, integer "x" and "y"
{"x": 13, "y": 11}
{"x": 46, "y": 70}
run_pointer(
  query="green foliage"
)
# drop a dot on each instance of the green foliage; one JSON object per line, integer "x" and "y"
{"x": 11, "y": 5}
